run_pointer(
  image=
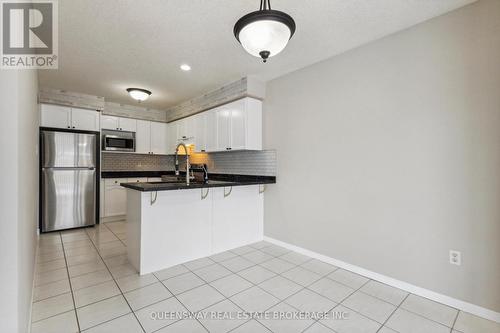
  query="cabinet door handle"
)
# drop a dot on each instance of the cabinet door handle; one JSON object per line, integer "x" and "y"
{"x": 228, "y": 148}
{"x": 228, "y": 193}
{"x": 73, "y": 126}
{"x": 69, "y": 126}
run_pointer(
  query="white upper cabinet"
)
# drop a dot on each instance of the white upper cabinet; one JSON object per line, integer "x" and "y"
{"x": 87, "y": 120}
{"x": 143, "y": 137}
{"x": 109, "y": 122}
{"x": 159, "y": 144}
{"x": 200, "y": 124}
{"x": 118, "y": 123}
{"x": 238, "y": 137}
{"x": 127, "y": 124}
{"x": 55, "y": 116}
{"x": 223, "y": 128}
{"x": 211, "y": 130}
{"x": 234, "y": 126}
{"x": 65, "y": 117}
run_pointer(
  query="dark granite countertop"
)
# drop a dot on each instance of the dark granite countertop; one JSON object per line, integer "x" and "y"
{"x": 215, "y": 180}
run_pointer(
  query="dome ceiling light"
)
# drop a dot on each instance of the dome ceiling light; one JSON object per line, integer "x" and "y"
{"x": 264, "y": 33}
{"x": 139, "y": 94}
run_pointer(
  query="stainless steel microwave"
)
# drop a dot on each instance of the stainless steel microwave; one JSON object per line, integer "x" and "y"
{"x": 118, "y": 141}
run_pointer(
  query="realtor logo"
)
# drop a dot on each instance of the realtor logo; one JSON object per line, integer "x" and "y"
{"x": 29, "y": 34}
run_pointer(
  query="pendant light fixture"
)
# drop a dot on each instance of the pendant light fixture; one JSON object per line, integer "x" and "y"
{"x": 264, "y": 33}
{"x": 139, "y": 94}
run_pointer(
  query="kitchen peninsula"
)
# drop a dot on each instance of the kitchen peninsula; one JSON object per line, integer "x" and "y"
{"x": 169, "y": 222}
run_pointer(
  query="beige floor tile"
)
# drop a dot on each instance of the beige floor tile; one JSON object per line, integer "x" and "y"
{"x": 251, "y": 326}
{"x": 83, "y": 259}
{"x": 199, "y": 263}
{"x": 308, "y": 301}
{"x": 171, "y": 272}
{"x": 331, "y": 289}
{"x": 285, "y": 324}
{"x": 95, "y": 293}
{"x": 260, "y": 245}
{"x": 122, "y": 271}
{"x": 135, "y": 281}
{"x": 52, "y": 306}
{"x": 231, "y": 285}
{"x": 51, "y": 276}
{"x": 369, "y": 306}
{"x": 79, "y": 251}
{"x": 212, "y": 272}
{"x": 116, "y": 261}
{"x": 181, "y": 283}
{"x": 319, "y": 267}
{"x": 86, "y": 268}
{"x": 97, "y": 313}
{"x": 403, "y": 321}
{"x": 200, "y": 297}
{"x": 61, "y": 323}
{"x": 301, "y": 276}
{"x": 468, "y": 323}
{"x": 257, "y": 257}
{"x": 386, "y": 293}
{"x": 236, "y": 264}
{"x": 347, "y": 278}
{"x": 79, "y": 243}
{"x": 242, "y": 250}
{"x": 277, "y": 265}
{"x": 51, "y": 289}
{"x": 431, "y": 310}
{"x": 90, "y": 279}
{"x": 150, "y": 323}
{"x": 227, "y": 308}
{"x": 275, "y": 250}
{"x": 280, "y": 287}
{"x": 183, "y": 326}
{"x": 42, "y": 258}
{"x": 124, "y": 324}
{"x": 295, "y": 258}
{"x": 318, "y": 328}
{"x": 352, "y": 323}
{"x": 112, "y": 252}
{"x": 256, "y": 274}
{"x": 223, "y": 256}
{"x": 254, "y": 299}
{"x": 148, "y": 295}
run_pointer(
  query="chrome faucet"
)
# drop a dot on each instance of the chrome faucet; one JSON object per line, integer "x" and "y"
{"x": 187, "y": 162}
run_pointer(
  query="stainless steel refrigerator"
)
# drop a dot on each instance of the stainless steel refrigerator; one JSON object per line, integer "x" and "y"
{"x": 68, "y": 179}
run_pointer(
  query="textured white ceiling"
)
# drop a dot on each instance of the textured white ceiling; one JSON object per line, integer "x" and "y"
{"x": 107, "y": 46}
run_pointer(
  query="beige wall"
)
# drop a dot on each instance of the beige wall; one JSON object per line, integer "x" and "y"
{"x": 389, "y": 155}
{"x": 19, "y": 196}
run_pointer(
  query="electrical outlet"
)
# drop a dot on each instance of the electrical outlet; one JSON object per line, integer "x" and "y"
{"x": 455, "y": 257}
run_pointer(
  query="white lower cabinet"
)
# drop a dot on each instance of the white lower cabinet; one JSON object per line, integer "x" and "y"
{"x": 237, "y": 217}
{"x": 184, "y": 225}
{"x": 114, "y": 196}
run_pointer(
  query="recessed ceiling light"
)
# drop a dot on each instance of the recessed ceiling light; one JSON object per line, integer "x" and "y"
{"x": 185, "y": 67}
{"x": 139, "y": 94}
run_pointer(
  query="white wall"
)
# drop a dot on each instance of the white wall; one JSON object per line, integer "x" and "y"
{"x": 389, "y": 155}
{"x": 19, "y": 196}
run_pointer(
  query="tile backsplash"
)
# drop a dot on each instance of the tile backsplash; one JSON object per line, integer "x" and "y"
{"x": 136, "y": 162}
{"x": 259, "y": 163}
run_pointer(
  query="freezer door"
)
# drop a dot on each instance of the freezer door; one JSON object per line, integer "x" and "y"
{"x": 68, "y": 198}
{"x": 66, "y": 149}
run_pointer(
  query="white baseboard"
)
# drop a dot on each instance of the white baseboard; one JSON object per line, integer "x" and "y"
{"x": 113, "y": 218}
{"x": 447, "y": 300}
